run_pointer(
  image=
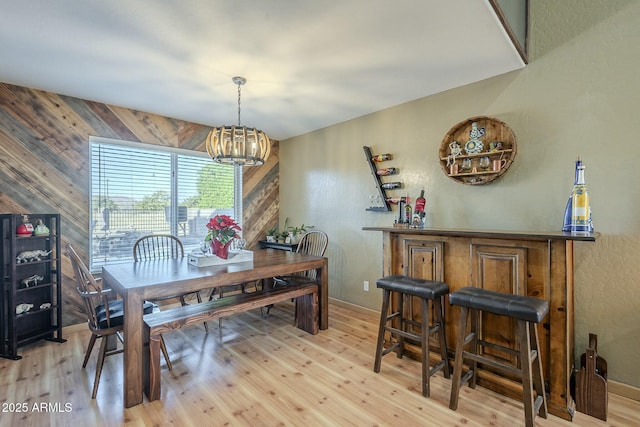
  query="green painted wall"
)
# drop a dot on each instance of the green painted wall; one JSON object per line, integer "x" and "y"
{"x": 579, "y": 96}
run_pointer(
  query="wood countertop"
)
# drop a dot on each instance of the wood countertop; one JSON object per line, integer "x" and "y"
{"x": 493, "y": 234}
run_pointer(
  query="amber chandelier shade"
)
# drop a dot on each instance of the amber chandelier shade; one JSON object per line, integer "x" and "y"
{"x": 236, "y": 144}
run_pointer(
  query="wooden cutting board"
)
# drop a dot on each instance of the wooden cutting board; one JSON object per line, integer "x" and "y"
{"x": 591, "y": 382}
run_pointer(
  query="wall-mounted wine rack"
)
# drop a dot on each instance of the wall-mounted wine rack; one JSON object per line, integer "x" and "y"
{"x": 378, "y": 179}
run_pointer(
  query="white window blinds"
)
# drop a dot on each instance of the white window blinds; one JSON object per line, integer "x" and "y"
{"x": 139, "y": 189}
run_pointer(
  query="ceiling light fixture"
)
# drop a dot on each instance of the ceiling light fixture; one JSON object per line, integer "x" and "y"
{"x": 238, "y": 145}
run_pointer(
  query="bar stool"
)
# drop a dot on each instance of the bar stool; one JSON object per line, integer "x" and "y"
{"x": 425, "y": 290}
{"x": 528, "y": 312}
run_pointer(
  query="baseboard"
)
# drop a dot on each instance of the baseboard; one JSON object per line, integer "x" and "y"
{"x": 354, "y": 307}
{"x": 624, "y": 390}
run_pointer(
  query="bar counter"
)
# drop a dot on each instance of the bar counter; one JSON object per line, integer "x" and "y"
{"x": 533, "y": 263}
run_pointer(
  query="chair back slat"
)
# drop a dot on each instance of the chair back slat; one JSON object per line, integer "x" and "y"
{"x": 158, "y": 246}
{"x": 313, "y": 243}
{"x": 89, "y": 291}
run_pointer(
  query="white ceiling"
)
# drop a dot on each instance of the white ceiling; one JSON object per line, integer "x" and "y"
{"x": 309, "y": 64}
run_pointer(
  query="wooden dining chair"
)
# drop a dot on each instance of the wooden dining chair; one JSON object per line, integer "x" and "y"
{"x": 105, "y": 315}
{"x": 312, "y": 243}
{"x": 163, "y": 246}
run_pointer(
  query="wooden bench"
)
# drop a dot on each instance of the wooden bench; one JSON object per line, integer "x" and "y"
{"x": 155, "y": 324}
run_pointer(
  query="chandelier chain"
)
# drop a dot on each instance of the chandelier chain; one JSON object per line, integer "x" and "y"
{"x": 239, "y": 84}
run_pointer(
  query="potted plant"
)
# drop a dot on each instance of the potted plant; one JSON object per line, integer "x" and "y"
{"x": 222, "y": 229}
{"x": 272, "y": 234}
{"x": 296, "y": 233}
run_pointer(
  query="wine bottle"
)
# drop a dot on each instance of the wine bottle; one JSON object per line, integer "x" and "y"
{"x": 382, "y": 157}
{"x": 566, "y": 226}
{"x": 395, "y": 200}
{"x": 420, "y": 204}
{"x": 391, "y": 185}
{"x": 408, "y": 212}
{"x": 387, "y": 171}
{"x": 580, "y": 207}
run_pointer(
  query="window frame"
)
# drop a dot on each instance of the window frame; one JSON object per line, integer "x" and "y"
{"x": 174, "y": 184}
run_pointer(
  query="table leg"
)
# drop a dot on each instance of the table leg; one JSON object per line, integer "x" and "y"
{"x": 133, "y": 347}
{"x": 323, "y": 296}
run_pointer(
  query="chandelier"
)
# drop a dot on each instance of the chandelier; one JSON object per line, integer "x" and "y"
{"x": 238, "y": 145}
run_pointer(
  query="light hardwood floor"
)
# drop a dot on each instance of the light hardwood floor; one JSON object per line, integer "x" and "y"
{"x": 259, "y": 371}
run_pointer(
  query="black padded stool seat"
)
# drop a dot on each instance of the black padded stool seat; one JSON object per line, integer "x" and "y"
{"x": 527, "y": 312}
{"x": 429, "y": 289}
{"x": 400, "y": 325}
{"x": 516, "y": 306}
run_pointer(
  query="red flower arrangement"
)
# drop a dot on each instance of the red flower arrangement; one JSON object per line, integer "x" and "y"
{"x": 222, "y": 230}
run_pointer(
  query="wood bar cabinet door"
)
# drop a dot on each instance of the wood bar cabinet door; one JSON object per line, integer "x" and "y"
{"x": 499, "y": 269}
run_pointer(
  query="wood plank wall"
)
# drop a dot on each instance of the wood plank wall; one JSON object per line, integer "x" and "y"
{"x": 44, "y": 165}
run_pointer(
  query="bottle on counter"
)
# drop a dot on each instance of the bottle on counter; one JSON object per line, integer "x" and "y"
{"x": 418, "y": 211}
{"x": 382, "y": 157}
{"x": 420, "y": 204}
{"x": 408, "y": 212}
{"x": 566, "y": 225}
{"x": 580, "y": 204}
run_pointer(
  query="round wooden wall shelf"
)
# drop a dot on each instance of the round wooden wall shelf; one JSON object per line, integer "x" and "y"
{"x": 477, "y": 151}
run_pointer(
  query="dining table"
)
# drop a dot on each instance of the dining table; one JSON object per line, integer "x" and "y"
{"x": 137, "y": 282}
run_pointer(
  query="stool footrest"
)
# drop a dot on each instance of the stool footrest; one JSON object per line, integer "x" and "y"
{"x": 490, "y": 362}
{"x": 494, "y": 346}
{"x": 403, "y": 334}
{"x": 466, "y": 377}
{"x": 438, "y": 366}
{"x": 393, "y": 315}
{"x": 390, "y": 349}
{"x": 499, "y": 347}
{"x": 469, "y": 338}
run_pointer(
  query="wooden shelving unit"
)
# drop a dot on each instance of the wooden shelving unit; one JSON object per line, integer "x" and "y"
{"x": 43, "y": 319}
{"x": 494, "y": 131}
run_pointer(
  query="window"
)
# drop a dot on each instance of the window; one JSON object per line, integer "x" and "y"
{"x": 139, "y": 189}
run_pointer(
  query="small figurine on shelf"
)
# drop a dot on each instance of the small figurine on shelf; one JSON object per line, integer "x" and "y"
{"x": 26, "y": 228}
{"x": 23, "y": 308}
{"x": 31, "y": 281}
{"x": 474, "y": 145}
{"x": 29, "y": 256}
{"x": 454, "y": 151}
{"x": 41, "y": 229}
